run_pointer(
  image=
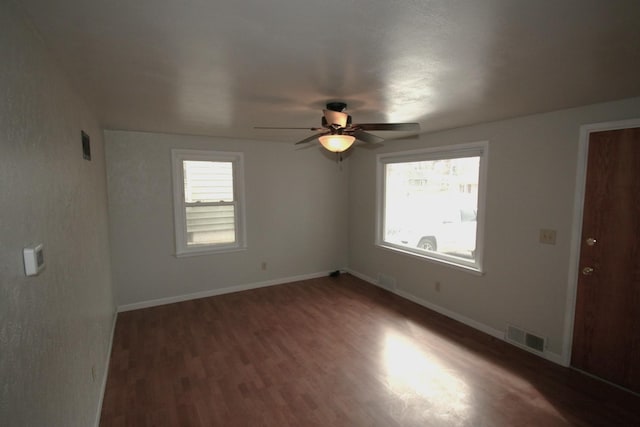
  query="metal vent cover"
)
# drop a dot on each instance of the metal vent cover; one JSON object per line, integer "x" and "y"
{"x": 526, "y": 339}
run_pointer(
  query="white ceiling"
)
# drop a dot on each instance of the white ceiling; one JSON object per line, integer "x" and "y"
{"x": 222, "y": 67}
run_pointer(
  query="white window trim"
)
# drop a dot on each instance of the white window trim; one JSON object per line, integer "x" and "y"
{"x": 480, "y": 148}
{"x": 179, "y": 206}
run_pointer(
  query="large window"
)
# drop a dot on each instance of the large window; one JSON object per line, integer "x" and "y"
{"x": 208, "y": 195}
{"x": 430, "y": 203}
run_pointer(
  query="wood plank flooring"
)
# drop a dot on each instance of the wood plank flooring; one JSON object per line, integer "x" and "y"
{"x": 336, "y": 352}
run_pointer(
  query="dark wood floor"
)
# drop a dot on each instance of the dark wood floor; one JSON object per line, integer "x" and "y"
{"x": 336, "y": 352}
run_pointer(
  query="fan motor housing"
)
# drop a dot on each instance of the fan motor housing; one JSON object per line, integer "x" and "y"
{"x": 326, "y": 125}
{"x": 336, "y": 106}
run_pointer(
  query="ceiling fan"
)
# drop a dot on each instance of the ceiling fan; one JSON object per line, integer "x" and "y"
{"x": 338, "y": 132}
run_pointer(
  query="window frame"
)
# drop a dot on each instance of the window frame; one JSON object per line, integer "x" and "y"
{"x": 473, "y": 149}
{"x": 178, "y": 156}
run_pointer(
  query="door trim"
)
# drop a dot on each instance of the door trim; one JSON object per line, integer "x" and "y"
{"x": 576, "y": 229}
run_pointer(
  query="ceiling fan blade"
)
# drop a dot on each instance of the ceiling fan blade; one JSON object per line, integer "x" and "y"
{"x": 275, "y": 127}
{"x": 309, "y": 139}
{"x": 367, "y": 137}
{"x": 336, "y": 118}
{"x": 404, "y": 127}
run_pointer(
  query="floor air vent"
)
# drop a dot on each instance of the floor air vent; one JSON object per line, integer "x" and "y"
{"x": 525, "y": 339}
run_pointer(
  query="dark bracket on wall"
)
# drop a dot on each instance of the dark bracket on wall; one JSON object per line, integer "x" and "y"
{"x": 86, "y": 146}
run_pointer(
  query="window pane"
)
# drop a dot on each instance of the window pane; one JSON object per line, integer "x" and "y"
{"x": 210, "y": 224}
{"x": 208, "y": 181}
{"x": 432, "y": 205}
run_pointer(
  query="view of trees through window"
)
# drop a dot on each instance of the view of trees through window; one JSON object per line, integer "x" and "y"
{"x": 431, "y": 206}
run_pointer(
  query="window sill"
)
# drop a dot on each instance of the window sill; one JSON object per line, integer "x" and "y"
{"x": 476, "y": 271}
{"x": 208, "y": 251}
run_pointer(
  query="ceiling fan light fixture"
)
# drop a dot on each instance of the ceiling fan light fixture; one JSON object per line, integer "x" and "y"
{"x": 337, "y": 143}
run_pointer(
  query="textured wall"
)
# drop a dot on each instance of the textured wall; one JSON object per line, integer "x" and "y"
{"x": 296, "y": 204}
{"x": 56, "y": 326}
{"x": 531, "y": 185}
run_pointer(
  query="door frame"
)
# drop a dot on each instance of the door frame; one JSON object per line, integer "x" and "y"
{"x": 576, "y": 229}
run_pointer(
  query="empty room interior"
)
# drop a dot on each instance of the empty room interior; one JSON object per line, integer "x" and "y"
{"x": 340, "y": 213}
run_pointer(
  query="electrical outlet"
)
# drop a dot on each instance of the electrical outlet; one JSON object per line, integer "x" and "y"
{"x": 93, "y": 373}
{"x": 548, "y": 237}
{"x": 264, "y": 265}
{"x": 437, "y": 286}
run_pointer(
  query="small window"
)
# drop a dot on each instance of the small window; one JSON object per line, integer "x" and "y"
{"x": 208, "y": 195}
{"x": 430, "y": 203}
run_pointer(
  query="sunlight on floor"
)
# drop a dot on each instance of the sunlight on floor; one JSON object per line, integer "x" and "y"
{"x": 423, "y": 383}
{"x": 424, "y": 386}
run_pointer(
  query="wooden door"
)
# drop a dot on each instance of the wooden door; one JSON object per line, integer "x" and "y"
{"x": 606, "y": 338}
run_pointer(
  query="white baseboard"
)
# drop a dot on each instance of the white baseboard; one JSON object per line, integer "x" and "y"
{"x": 365, "y": 278}
{"x": 556, "y": 358}
{"x": 453, "y": 315}
{"x": 221, "y": 291}
{"x": 552, "y": 357}
{"x": 103, "y": 387}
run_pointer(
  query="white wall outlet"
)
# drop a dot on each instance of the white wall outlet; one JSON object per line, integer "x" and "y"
{"x": 547, "y": 236}
{"x": 33, "y": 259}
{"x": 437, "y": 286}
{"x": 263, "y": 265}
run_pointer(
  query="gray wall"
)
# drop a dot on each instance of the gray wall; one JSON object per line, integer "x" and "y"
{"x": 296, "y": 204}
{"x": 531, "y": 185}
{"x": 55, "y": 327}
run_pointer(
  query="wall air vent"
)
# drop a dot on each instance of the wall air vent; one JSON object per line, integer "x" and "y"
{"x": 525, "y": 339}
